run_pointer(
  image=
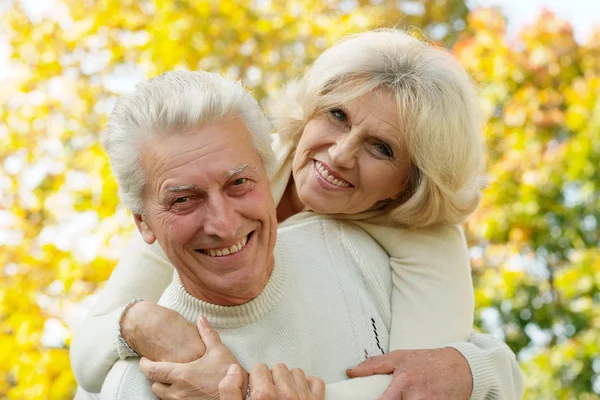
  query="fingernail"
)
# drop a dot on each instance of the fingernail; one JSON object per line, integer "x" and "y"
{"x": 204, "y": 321}
{"x": 233, "y": 368}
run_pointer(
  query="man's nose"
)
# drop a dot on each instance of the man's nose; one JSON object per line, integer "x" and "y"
{"x": 221, "y": 220}
{"x": 345, "y": 150}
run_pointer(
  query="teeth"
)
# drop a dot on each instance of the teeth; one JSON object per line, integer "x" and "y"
{"x": 228, "y": 250}
{"x": 325, "y": 174}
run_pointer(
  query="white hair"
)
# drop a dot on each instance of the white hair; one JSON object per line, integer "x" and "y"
{"x": 177, "y": 102}
{"x": 438, "y": 109}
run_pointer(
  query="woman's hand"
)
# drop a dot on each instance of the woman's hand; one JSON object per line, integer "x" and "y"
{"x": 278, "y": 383}
{"x": 160, "y": 334}
{"x": 425, "y": 374}
{"x": 198, "y": 379}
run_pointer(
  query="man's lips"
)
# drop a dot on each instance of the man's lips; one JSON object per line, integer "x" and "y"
{"x": 227, "y": 249}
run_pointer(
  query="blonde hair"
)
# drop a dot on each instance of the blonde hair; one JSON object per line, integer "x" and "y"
{"x": 437, "y": 107}
{"x": 176, "y": 102}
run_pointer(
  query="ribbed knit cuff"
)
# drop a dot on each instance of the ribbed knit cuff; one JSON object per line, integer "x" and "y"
{"x": 481, "y": 369}
{"x": 120, "y": 345}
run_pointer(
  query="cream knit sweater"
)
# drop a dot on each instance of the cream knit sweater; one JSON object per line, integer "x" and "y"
{"x": 431, "y": 302}
{"x": 323, "y": 311}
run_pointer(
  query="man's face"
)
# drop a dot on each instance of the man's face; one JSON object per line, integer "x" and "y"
{"x": 208, "y": 203}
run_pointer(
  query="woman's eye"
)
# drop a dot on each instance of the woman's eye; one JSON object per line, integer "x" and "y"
{"x": 239, "y": 181}
{"x": 338, "y": 114}
{"x": 181, "y": 200}
{"x": 384, "y": 149}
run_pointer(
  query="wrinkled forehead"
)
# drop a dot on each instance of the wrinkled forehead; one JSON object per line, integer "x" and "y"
{"x": 215, "y": 151}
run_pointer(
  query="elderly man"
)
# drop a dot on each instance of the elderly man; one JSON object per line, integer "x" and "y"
{"x": 202, "y": 193}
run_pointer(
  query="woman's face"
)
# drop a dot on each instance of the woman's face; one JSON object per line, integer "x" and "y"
{"x": 352, "y": 156}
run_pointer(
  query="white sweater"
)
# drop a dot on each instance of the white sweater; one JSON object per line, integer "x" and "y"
{"x": 431, "y": 302}
{"x": 323, "y": 311}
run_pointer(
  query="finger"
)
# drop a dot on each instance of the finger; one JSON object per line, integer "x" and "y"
{"x": 284, "y": 382}
{"x": 162, "y": 391}
{"x": 317, "y": 387}
{"x": 209, "y": 336}
{"x": 230, "y": 387}
{"x": 373, "y": 365}
{"x": 261, "y": 382}
{"x": 300, "y": 381}
{"x": 394, "y": 390}
{"x": 158, "y": 371}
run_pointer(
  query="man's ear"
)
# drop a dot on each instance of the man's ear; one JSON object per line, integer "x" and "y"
{"x": 144, "y": 228}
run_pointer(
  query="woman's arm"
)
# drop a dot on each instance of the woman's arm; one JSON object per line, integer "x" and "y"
{"x": 432, "y": 306}
{"x": 141, "y": 273}
{"x": 432, "y": 292}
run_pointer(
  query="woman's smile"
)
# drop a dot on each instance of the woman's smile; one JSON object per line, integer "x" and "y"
{"x": 329, "y": 178}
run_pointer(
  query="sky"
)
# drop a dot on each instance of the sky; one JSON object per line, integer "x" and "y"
{"x": 584, "y": 15}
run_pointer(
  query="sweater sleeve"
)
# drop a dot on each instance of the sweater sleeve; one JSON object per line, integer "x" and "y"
{"x": 142, "y": 272}
{"x": 125, "y": 381}
{"x": 432, "y": 305}
{"x": 496, "y": 373}
{"x": 432, "y": 289}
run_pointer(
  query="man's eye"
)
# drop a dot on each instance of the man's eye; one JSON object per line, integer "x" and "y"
{"x": 338, "y": 114}
{"x": 384, "y": 149}
{"x": 239, "y": 181}
{"x": 181, "y": 200}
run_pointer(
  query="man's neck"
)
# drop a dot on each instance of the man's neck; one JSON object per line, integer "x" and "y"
{"x": 238, "y": 297}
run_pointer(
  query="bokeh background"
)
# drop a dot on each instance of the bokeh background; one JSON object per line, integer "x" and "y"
{"x": 534, "y": 240}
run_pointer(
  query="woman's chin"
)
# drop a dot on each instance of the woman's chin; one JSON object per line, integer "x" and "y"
{"x": 318, "y": 208}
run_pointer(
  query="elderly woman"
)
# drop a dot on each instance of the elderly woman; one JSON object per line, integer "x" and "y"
{"x": 384, "y": 131}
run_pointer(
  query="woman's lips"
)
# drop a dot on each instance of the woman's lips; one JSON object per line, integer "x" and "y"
{"x": 330, "y": 176}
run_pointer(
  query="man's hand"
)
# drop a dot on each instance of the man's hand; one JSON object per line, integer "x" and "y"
{"x": 198, "y": 379}
{"x": 278, "y": 383}
{"x": 230, "y": 387}
{"x": 421, "y": 374}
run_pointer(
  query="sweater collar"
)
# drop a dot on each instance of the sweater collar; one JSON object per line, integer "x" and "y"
{"x": 192, "y": 308}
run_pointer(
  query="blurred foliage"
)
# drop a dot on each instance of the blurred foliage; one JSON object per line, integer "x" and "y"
{"x": 536, "y": 260}
{"x": 535, "y": 237}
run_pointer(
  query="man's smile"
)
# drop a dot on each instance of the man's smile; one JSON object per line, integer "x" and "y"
{"x": 227, "y": 250}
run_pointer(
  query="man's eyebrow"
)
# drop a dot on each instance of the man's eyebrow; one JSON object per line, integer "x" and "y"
{"x": 239, "y": 169}
{"x": 182, "y": 188}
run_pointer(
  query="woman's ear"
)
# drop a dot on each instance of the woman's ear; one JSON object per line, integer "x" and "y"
{"x": 144, "y": 228}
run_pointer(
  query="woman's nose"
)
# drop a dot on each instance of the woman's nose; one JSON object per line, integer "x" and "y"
{"x": 343, "y": 153}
